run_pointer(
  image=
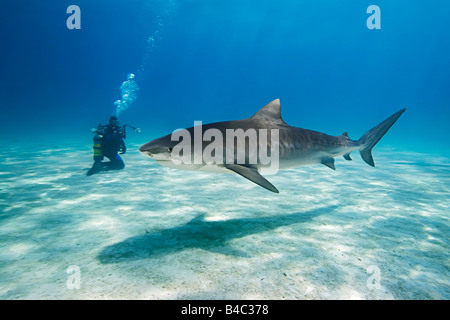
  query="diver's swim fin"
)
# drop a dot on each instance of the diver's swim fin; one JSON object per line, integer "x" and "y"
{"x": 96, "y": 168}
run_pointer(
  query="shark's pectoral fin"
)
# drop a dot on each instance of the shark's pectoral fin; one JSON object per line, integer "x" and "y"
{"x": 329, "y": 162}
{"x": 347, "y": 156}
{"x": 253, "y": 175}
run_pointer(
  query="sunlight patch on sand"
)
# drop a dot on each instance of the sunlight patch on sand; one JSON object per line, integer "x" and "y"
{"x": 149, "y": 232}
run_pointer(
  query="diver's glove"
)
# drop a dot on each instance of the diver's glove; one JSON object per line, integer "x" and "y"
{"x": 123, "y": 149}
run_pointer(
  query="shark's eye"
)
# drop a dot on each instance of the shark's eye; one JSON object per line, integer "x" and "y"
{"x": 170, "y": 149}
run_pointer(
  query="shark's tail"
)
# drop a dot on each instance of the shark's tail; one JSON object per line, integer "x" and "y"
{"x": 371, "y": 137}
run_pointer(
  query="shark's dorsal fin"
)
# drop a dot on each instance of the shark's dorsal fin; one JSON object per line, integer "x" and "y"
{"x": 270, "y": 112}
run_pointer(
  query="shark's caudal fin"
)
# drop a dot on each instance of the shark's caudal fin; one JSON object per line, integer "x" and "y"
{"x": 371, "y": 137}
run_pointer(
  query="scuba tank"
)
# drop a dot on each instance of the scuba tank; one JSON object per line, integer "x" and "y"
{"x": 98, "y": 155}
{"x": 98, "y": 137}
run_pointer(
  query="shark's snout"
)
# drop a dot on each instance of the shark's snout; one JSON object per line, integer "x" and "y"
{"x": 156, "y": 150}
{"x": 145, "y": 150}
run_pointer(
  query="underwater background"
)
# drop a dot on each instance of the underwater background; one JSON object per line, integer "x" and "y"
{"x": 157, "y": 233}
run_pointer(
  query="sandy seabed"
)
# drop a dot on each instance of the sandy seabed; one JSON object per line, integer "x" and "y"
{"x": 149, "y": 232}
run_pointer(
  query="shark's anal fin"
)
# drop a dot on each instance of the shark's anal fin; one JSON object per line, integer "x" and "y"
{"x": 347, "y": 156}
{"x": 329, "y": 162}
{"x": 253, "y": 175}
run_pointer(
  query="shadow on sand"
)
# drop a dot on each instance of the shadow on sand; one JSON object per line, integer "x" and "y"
{"x": 199, "y": 233}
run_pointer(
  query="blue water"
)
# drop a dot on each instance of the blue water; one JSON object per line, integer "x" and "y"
{"x": 213, "y": 61}
{"x": 220, "y": 60}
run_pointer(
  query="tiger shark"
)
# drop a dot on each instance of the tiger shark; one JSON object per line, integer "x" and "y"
{"x": 288, "y": 146}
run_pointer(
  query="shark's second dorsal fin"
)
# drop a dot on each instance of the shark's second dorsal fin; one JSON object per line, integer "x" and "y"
{"x": 270, "y": 112}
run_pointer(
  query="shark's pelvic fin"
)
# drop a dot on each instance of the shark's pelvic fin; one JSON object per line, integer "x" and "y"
{"x": 347, "y": 156}
{"x": 253, "y": 175}
{"x": 329, "y": 162}
{"x": 270, "y": 112}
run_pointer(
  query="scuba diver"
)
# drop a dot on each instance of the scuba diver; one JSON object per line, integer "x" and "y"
{"x": 108, "y": 142}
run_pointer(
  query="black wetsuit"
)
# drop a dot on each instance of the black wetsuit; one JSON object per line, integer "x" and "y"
{"x": 112, "y": 143}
